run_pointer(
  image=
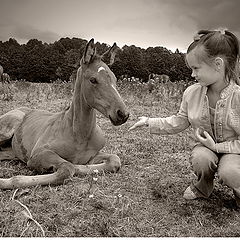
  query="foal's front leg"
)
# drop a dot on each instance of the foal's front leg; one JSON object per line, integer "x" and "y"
{"x": 101, "y": 162}
{"x": 42, "y": 161}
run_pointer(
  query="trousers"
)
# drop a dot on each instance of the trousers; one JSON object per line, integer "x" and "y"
{"x": 206, "y": 163}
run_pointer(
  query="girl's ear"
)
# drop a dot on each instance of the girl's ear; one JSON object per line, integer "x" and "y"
{"x": 219, "y": 63}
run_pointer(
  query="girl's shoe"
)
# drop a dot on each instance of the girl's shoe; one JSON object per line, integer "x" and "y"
{"x": 189, "y": 194}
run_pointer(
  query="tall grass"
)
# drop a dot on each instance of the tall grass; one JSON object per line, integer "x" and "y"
{"x": 144, "y": 199}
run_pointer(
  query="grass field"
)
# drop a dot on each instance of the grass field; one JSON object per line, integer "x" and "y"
{"x": 144, "y": 199}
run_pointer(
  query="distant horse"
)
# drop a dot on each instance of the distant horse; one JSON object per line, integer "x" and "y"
{"x": 6, "y": 78}
{"x": 1, "y": 72}
{"x": 5, "y": 81}
{"x": 69, "y": 142}
{"x": 151, "y": 82}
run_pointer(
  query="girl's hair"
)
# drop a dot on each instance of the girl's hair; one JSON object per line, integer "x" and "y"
{"x": 220, "y": 43}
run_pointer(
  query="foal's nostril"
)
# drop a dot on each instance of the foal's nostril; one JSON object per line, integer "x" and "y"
{"x": 119, "y": 118}
{"x": 120, "y": 114}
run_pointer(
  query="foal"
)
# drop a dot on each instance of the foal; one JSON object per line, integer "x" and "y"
{"x": 69, "y": 142}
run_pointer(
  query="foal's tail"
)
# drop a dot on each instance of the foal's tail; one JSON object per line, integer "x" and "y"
{"x": 9, "y": 122}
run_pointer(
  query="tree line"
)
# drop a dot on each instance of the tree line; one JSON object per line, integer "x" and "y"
{"x": 36, "y": 61}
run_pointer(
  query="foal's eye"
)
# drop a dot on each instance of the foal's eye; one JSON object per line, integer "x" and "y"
{"x": 93, "y": 80}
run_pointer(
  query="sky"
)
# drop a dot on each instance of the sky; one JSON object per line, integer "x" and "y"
{"x": 143, "y": 23}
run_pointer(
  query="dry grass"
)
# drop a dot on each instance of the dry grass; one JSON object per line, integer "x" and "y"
{"x": 144, "y": 199}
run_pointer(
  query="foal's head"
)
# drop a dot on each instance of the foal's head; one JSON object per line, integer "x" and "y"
{"x": 98, "y": 85}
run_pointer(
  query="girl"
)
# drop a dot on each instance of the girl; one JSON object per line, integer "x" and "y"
{"x": 212, "y": 108}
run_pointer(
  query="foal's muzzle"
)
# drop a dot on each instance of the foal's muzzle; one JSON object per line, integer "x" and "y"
{"x": 119, "y": 118}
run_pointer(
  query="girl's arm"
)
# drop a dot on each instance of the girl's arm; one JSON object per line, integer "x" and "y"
{"x": 173, "y": 124}
{"x": 229, "y": 146}
{"x": 232, "y": 146}
{"x": 168, "y": 125}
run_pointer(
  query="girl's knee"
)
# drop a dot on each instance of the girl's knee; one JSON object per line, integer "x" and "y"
{"x": 203, "y": 159}
{"x": 229, "y": 176}
{"x": 229, "y": 170}
{"x": 224, "y": 174}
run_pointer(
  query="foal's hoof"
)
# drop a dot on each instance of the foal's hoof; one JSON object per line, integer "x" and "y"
{"x": 116, "y": 169}
{"x": 113, "y": 164}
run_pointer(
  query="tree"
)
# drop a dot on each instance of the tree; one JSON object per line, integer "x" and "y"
{"x": 42, "y": 62}
{"x": 11, "y": 57}
{"x": 177, "y": 51}
{"x": 59, "y": 73}
{"x": 158, "y": 60}
{"x": 131, "y": 62}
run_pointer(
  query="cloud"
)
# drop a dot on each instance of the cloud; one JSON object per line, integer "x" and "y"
{"x": 18, "y": 21}
{"x": 140, "y": 22}
{"x": 26, "y": 32}
{"x": 222, "y": 14}
{"x": 23, "y": 33}
{"x": 183, "y": 18}
{"x": 158, "y": 25}
{"x": 207, "y": 14}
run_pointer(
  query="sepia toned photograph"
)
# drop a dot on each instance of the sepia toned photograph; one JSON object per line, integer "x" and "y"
{"x": 119, "y": 118}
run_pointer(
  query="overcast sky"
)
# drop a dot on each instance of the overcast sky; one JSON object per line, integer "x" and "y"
{"x": 143, "y": 23}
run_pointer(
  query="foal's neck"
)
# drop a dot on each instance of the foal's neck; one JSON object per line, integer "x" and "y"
{"x": 83, "y": 116}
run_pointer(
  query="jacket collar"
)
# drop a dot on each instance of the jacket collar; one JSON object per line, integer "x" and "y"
{"x": 226, "y": 91}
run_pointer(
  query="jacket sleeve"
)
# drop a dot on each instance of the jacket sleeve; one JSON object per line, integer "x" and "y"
{"x": 173, "y": 124}
{"x": 229, "y": 146}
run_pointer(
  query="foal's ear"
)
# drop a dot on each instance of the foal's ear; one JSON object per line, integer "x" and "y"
{"x": 109, "y": 56}
{"x": 90, "y": 52}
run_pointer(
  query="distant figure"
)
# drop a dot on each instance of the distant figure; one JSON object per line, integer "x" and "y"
{"x": 1, "y": 72}
{"x": 151, "y": 82}
{"x": 5, "y": 82}
{"x": 6, "y": 78}
{"x": 164, "y": 78}
{"x": 72, "y": 79}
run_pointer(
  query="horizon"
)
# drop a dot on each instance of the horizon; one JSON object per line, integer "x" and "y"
{"x": 26, "y": 41}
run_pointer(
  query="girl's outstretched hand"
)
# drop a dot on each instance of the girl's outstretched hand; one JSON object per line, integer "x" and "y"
{"x": 143, "y": 121}
{"x": 206, "y": 139}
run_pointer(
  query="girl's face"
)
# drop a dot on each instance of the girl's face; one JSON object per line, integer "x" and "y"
{"x": 204, "y": 73}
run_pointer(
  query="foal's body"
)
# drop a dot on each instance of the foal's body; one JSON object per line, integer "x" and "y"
{"x": 68, "y": 142}
{"x": 54, "y": 131}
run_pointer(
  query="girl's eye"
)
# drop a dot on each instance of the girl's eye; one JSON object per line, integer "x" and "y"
{"x": 93, "y": 80}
